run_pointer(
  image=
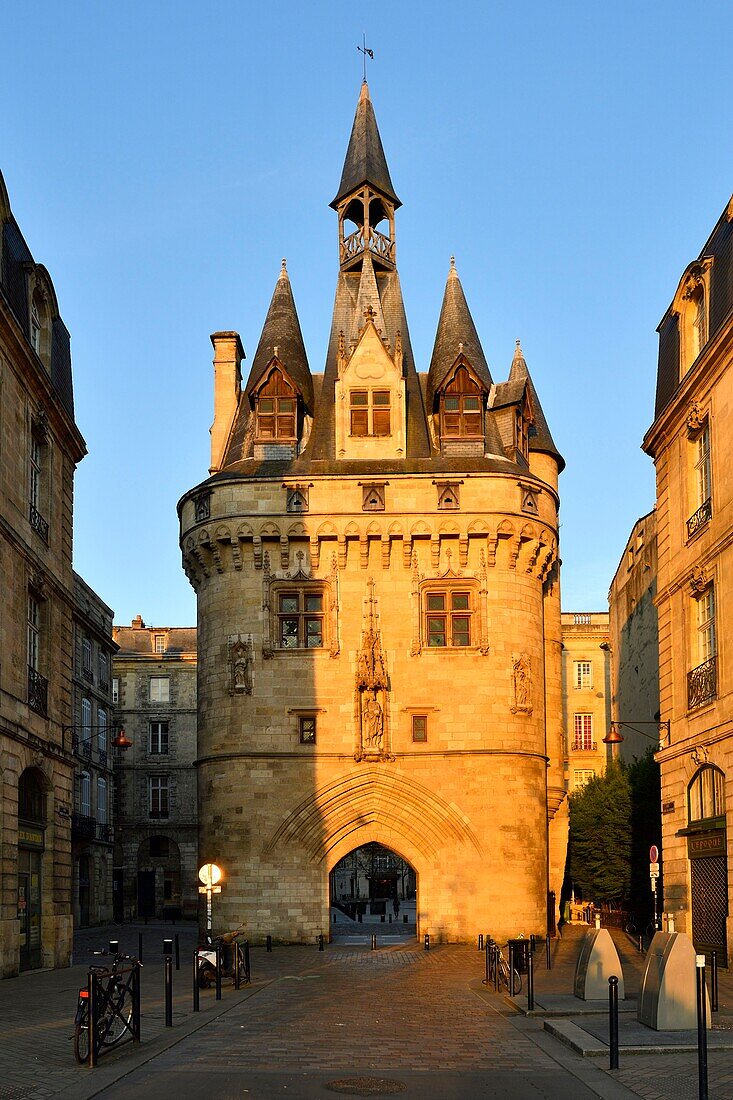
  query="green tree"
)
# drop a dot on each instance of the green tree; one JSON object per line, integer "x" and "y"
{"x": 600, "y": 836}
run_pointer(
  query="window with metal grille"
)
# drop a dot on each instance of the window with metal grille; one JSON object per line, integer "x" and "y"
{"x": 419, "y": 727}
{"x": 307, "y": 729}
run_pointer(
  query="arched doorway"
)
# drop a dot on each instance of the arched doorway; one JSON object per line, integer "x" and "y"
{"x": 31, "y": 844}
{"x": 373, "y": 889}
{"x": 708, "y": 855}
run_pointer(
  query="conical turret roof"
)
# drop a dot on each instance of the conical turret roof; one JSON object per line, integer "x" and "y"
{"x": 281, "y": 331}
{"x": 455, "y": 328}
{"x": 540, "y": 437}
{"x": 365, "y": 160}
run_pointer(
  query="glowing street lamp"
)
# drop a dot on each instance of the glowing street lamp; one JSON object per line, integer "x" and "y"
{"x": 210, "y": 876}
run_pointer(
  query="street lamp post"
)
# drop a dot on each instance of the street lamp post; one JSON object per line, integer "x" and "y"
{"x": 210, "y": 877}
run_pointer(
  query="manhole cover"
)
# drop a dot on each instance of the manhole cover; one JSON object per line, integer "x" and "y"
{"x": 366, "y": 1086}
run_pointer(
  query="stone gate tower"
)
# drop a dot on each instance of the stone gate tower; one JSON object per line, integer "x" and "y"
{"x": 375, "y": 556}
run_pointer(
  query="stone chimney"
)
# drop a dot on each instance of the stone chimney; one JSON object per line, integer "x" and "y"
{"x": 137, "y": 623}
{"x": 228, "y": 356}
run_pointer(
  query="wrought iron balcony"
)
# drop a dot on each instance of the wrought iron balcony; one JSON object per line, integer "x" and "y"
{"x": 88, "y": 675}
{"x": 105, "y": 833}
{"x": 579, "y": 745}
{"x": 83, "y": 825}
{"x": 700, "y": 518}
{"x": 702, "y": 684}
{"x": 38, "y": 523}
{"x": 37, "y": 692}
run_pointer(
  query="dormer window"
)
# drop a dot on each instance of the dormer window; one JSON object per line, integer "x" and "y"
{"x": 461, "y": 407}
{"x": 691, "y": 304}
{"x": 276, "y": 406}
{"x": 370, "y": 412}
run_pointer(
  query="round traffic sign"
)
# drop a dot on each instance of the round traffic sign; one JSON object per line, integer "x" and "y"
{"x": 210, "y": 874}
{"x": 654, "y": 854}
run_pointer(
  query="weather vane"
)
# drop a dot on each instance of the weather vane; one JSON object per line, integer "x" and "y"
{"x": 367, "y": 53}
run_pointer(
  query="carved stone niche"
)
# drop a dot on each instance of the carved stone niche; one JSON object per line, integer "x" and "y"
{"x": 202, "y": 506}
{"x": 522, "y": 684}
{"x": 529, "y": 499}
{"x": 448, "y": 495}
{"x": 297, "y": 498}
{"x": 241, "y": 653}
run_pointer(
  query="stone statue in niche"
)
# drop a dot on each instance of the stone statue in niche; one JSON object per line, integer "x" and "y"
{"x": 240, "y": 665}
{"x": 521, "y": 675}
{"x": 372, "y": 722}
{"x": 371, "y": 688}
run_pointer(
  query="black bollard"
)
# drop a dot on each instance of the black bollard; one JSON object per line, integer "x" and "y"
{"x": 218, "y": 972}
{"x": 533, "y": 944}
{"x": 196, "y": 981}
{"x": 139, "y": 947}
{"x": 530, "y": 983}
{"x": 167, "y": 948}
{"x": 548, "y": 948}
{"x": 92, "y": 1018}
{"x": 268, "y": 943}
{"x": 488, "y": 967}
{"x": 114, "y": 947}
{"x": 320, "y": 942}
{"x": 496, "y": 968}
{"x": 613, "y": 1023}
{"x": 511, "y": 969}
{"x": 714, "y": 981}
{"x": 702, "y": 1029}
{"x": 178, "y": 951}
{"x": 404, "y": 918}
{"x": 374, "y": 941}
{"x": 334, "y": 918}
{"x": 480, "y": 941}
{"x": 237, "y": 964}
{"x": 427, "y": 941}
{"x": 247, "y": 968}
{"x": 168, "y": 982}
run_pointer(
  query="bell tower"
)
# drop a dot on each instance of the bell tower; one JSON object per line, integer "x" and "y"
{"x": 366, "y": 201}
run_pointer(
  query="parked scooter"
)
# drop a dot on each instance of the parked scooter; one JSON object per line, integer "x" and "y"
{"x": 207, "y": 958}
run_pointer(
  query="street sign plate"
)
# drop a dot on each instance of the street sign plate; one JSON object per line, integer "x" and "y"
{"x": 653, "y": 868}
{"x": 654, "y": 854}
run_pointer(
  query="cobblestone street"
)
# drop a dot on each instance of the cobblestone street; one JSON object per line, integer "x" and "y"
{"x": 413, "y": 1022}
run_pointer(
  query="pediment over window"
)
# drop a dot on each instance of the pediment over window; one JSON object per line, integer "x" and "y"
{"x": 460, "y": 402}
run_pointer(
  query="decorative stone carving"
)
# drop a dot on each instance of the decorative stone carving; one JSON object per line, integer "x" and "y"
{"x": 699, "y": 582}
{"x": 267, "y": 646}
{"x": 522, "y": 682}
{"x": 448, "y": 495}
{"x": 241, "y": 654}
{"x": 697, "y": 418}
{"x": 372, "y": 496}
{"x": 297, "y": 498}
{"x": 416, "y": 647}
{"x": 372, "y": 685}
{"x": 700, "y": 755}
{"x": 202, "y": 506}
{"x": 333, "y": 580}
{"x": 529, "y": 500}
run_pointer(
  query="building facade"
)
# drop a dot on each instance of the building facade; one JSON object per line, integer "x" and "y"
{"x": 586, "y": 693}
{"x": 375, "y": 556}
{"x": 155, "y": 825}
{"x": 40, "y": 446}
{"x": 634, "y": 629}
{"x": 690, "y": 443}
{"x": 91, "y": 737}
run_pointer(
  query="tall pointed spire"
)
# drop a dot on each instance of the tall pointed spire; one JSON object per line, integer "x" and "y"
{"x": 540, "y": 437}
{"x": 281, "y": 337}
{"x": 456, "y": 333}
{"x": 365, "y": 160}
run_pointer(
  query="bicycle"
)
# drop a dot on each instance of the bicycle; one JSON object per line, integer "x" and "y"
{"x": 115, "y": 1019}
{"x": 500, "y": 961}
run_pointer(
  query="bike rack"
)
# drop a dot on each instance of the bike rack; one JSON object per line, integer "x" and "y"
{"x": 102, "y": 998}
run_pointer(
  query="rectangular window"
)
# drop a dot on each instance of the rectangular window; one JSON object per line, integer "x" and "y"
{"x": 159, "y": 689}
{"x": 706, "y": 626}
{"x": 419, "y": 727}
{"x": 583, "y": 674}
{"x": 581, "y": 776}
{"x": 86, "y": 658}
{"x": 448, "y": 618}
{"x": 85, "y": 794}
{"x": 35, "y": 473}
{"x": 34, "y": 632}
{"x": 103, "y": 669}
{"x": 85, "y": 741}
{"x": 115, "y": 689}
{"x": 583, "y": 732}
{"x": 307, "y": 729}
{"x": 159, "y": 795}
{"x": 702, "y": 466}
{"x": 158, "y": 738}
{"x": 370, "y": 412}
{"x": 300, "y": 619}
{"x": 102, "y": 732}
{"x": 160, "y": 643}
{"x": 102, "y": 800}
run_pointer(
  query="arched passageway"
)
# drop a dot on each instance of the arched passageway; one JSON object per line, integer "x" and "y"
{"x": 373, "y": 889}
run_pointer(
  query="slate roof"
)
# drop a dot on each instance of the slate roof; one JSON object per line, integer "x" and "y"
{"x": 540, "y": 437}
{"x": 179, "y": 639}
{"x": 365, "y": 160}
{"x": 281, "y": 330}
{"x": 455, "y": 327}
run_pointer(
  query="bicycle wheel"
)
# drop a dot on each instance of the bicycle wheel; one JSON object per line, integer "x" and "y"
{"x": 115, "y": 1023}
{"x": 81, "y": 1041}
{"x": 517, "y": 982}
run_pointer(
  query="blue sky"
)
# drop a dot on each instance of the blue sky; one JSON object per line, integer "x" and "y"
{"x": 161, "y": 158}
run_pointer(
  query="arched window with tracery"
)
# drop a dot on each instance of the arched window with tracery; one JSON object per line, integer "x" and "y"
{"x": 461, "y": 406}
{"x": 706, "y": 795}
{"x": 276, "y": 406}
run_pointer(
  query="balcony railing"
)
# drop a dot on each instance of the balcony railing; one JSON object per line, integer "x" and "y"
{"x": 38, "y": 523}
{"x": 580, "y": 745}
{"x": 381, "y": 245}
{"x": 83, "y": 825}
{"x": 158, "y": 814}
{"x": 702, "y": 684}
{"x": 700, "y": 518}
{"x": 105, "y": 833}
{"x": 37, "y": 692}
